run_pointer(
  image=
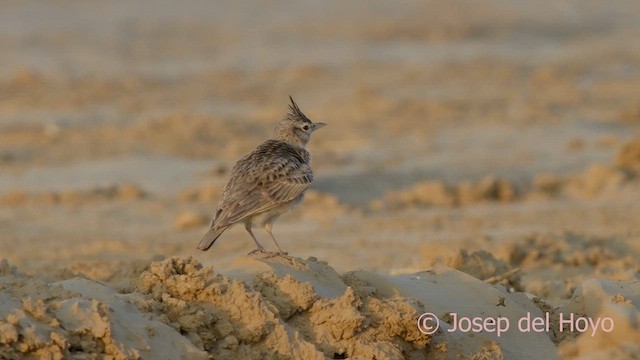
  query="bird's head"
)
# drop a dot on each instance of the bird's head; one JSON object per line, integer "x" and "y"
{"x": 296, "y": 128}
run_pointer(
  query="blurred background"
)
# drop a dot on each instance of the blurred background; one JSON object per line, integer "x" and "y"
{"x": 456, "y": 124}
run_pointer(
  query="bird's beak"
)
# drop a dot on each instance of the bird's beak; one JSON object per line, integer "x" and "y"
{"x": 318, "y": 125}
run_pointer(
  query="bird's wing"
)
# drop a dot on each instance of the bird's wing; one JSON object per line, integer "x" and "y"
{"x": 275, "y": 181}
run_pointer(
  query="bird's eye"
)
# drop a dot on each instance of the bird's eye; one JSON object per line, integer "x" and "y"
{"x": 306, "y": 127}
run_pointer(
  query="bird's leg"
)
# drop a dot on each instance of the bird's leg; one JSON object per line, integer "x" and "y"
{"x": 267, "y": 226}
{"x": 260, "y": 247}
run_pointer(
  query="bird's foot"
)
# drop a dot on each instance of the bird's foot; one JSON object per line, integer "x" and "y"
{"x": 269, "y": 254}
{"x": 280, "y": 253}
{"x": 258, "y": 250}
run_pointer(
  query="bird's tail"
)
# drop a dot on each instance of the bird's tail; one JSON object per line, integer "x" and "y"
{"x": 210, "y": 237}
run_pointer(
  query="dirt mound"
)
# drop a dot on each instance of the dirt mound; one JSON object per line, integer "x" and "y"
{"x": 437, "y": 193}
{"x": 124, "y": 191}
{"x": 266, "y": 307}
{"x": 77, "y": 319}
{"x": 277, "y": 316}
{"x": 595, "y": 180}
{"x": 617, "y": 306}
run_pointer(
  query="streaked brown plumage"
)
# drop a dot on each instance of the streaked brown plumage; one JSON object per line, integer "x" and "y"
{"x": 268, "y": 181}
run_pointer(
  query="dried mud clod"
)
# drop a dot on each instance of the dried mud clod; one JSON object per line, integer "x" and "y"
{"x": 629, "y": 155}
{"x": 570, "y": 249}
{"x": 578, "y": 256}
{"x": 485, "y": 266}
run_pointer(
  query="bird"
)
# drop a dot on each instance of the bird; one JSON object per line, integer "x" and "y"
{"x": 268, "y": 181}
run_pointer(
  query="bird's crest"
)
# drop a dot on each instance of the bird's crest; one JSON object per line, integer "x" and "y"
{"x": 295, "y": 113}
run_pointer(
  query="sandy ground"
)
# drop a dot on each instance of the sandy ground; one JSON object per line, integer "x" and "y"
{"x": 482, "y": 160}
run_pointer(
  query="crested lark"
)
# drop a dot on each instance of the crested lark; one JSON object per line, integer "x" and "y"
{"x": 268, "y": 181}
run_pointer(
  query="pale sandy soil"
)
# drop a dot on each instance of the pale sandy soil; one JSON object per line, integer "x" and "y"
{"x": 465, "y": 141}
